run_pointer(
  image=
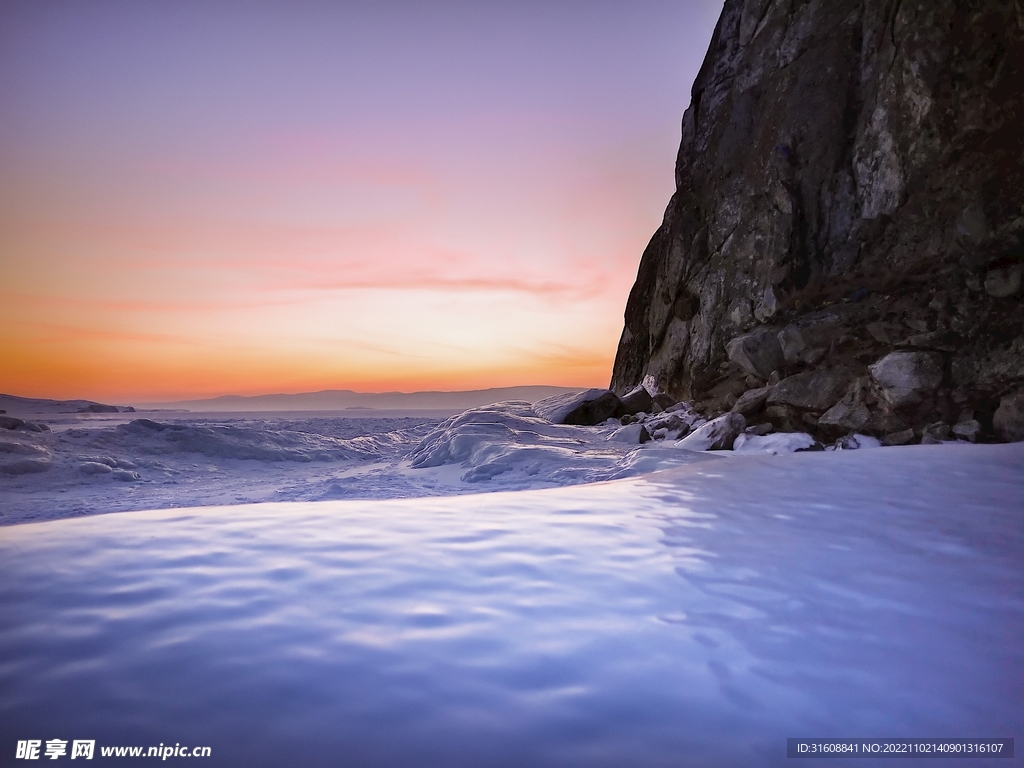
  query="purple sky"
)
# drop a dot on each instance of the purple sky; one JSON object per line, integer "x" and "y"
{"x": 199, "y": 198}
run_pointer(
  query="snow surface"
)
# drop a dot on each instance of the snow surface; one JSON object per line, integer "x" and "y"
{"x": 693, "y": 617}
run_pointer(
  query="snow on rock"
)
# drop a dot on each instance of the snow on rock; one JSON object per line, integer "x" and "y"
{"x": 23, "y": 458}
{"x": 775, "y": 443}
{"x": 717, "y": 434}
{"x": 667, "y": 423}
{"x": 855, "y": 441}
{"x": 631, "y": 433}
{"x": 581, "y": 408}
{"x": 94, "y": 468}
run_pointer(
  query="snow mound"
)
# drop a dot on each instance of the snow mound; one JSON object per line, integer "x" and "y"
{"x": 94, "y": 468}
{"x": 509, "y": 440}
{"x": 24, "y": 449}
{"x": 24, "y": 466}
{"x": 654, "y": 457}
{"x": 775, "y": 443}
{"x": 498, "y": 438}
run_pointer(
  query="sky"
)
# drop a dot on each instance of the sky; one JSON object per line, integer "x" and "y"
{"x": 203, "y": 198}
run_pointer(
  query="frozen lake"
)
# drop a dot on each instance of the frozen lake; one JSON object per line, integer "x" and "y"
{"x": 694, "y": 617}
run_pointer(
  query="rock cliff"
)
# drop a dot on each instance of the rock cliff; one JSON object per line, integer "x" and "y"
{"x": 847, "y": 231}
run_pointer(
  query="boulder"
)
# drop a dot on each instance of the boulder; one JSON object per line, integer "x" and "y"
{"x": 968, "y": 430}
{"x": 586, "y": 409}
{"x": 636, "y": 401}
{"x": 1008, "y": 420}
{"x": 945, "y": 341}
{"x": 906, "y": 378}
{"x": 885, "y": 420}
{"x": 758, "y": 353}
{"x": 751, "y": 401}
{"x": 792, "y": 342}
{"x": 724, "y": 395}
{"x": 10, "y": 422}
{"x": 811, "y": 390}
{"x": 903, "y": 437}
{"x": 784, "y": 418}
{"x": 851, "y": 413}
{"x": 715, "y": 435}
{"x": 939, "y": 430}
{"x": 663, "y": 401}
{"x": 1003, "y": 282}
{"x": 669, "y": 421}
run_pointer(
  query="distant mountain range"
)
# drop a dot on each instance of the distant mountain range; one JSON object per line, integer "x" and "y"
{"x": 14, "y": 404}
{"x": 346, "y": 399}
{"x": 326, "y": 400}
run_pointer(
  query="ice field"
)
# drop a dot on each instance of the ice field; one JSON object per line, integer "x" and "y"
{"x": 695, "y": 616}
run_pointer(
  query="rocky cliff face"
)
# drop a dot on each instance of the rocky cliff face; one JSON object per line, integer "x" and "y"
{"x": 847, "y": 219}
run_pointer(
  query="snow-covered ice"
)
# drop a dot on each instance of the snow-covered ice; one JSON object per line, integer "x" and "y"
{"x": 693, "y": 617}
{"x": 90, "y": 465}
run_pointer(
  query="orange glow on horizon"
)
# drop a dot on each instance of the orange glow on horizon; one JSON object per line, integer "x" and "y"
{"x": 127, "y": 375}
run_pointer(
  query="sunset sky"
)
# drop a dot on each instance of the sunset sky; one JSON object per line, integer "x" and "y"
{"x": 207, "y": 198}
